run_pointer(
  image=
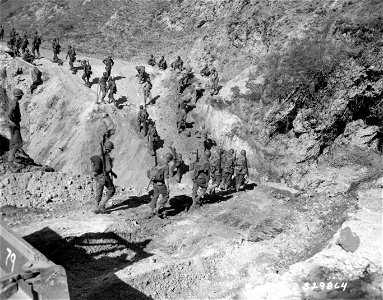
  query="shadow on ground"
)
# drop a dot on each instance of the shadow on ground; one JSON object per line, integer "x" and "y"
{"x": 90, "y": 261}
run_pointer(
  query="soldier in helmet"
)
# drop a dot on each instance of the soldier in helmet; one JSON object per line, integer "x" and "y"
{"x": 142, "y": 120}
{"x": 152, "y": 61}
{"x": 201, "y": 177}
{"x": 147, "y": 88}
{"x": 205, "y": 70}
{"x": 72, "y": 56}
{"x": 177, "y": 64}
{"x": 2, "y": 33}
{"x": 19, "y": 42}
{"x": 240, "y": 170}
{"x": 178, "y": 167}
{"x": 161, "y": 185}
{"x": 103, "y": 86}
{"x": 108, "y": 65}
{"x": 181, "y": 120}
{"x": 28, "y": 57}
{"x": 36, "y": 45}
{"x": 228, "y": 169}
{"x": 14, "y": 119}
{"x": 152, "y": 138}
{"x": 216, "y": 170}
{"x": 87, "y": 72}
{"x": 24, "y": 44}
{"x": 141, "y": 74}
{"x": 162, "y": 63}
{"x": 213, "y": 82}
{"x": 203, "y": 134}
{"x": 56, "y": 49}
{"x": 112, "y": 90}
{"x": 103, "y": 173}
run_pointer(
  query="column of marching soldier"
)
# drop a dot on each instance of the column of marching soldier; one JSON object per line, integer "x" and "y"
{"x": 223, "y": 170}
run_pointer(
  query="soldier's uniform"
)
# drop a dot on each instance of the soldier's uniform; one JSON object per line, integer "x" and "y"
{"x": 19, "y": 41}
{"x": 214, "y": 82}
{"x": 201, "y": 177}
{"x": 56, "y": 50}
{"x": 228, "y": 170}
{"x": 14, "y": 115}
{"x": 142, "y": 120}
{"x": 27, "y": 56}
{"x": 152, "y": 139}
{"x": 87, "y": 72}
{"x": 2, "y": 33}
{"x": 141, "y": 74}
{"x": 108, "y": 65}
{"x": 160, "y": 188}
{"x": 102, "y": 180}
{"x": 147, "y": 91}
{"x": 178, "y": 64}
{"x": 112, "y": 90}
{"x": 240, "y": 170}
{"x": 204, "y": 137}
{"x": 181, "y": 119}
{"x": 72, "y": 57}
{"x": 24, "y": 44}
{"x": 152, "y": 61}
{"x": 103, "y": 86}
{"x": 162, "y": 63}
{"x": 205, "y": 71}
{"x": 36, "y": 45}
{"x": 216, "y": 171}
{"x": 177, "y": 166}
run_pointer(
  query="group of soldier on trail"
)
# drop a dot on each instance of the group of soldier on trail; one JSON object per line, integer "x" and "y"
{"x": 16, "y": 43}
{"x": 223, "y": 169}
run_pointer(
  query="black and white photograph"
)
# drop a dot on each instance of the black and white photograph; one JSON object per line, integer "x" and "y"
{"x": 191, "y": 149}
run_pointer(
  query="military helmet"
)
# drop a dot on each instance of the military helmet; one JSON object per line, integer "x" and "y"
{"x": 169, "y": 156}
{"x": 104, "y": 74}
{"x": 18, "y": 92}
{"x": 213, "y": 68}
{"x": 207, "y": 153}
{"x": 110, "y": 78}
{"x": 83, "y": 61}
{"x": 141, "y": 106}
{"x": 243, "y": 152}
{"x": 109, "y": 145}
{"x": 110, "y": 57}
{"x": 231, "y": 151}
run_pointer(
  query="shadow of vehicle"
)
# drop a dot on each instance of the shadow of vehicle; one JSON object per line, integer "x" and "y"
{"x": 91, "y": 260}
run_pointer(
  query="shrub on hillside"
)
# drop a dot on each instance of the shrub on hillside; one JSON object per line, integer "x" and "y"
{"x": 308, "y": 64}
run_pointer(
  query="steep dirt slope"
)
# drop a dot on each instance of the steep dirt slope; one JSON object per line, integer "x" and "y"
{"x": 63, "y": 126}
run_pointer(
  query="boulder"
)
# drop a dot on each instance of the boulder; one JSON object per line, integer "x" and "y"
{"x": 348, "y": 240}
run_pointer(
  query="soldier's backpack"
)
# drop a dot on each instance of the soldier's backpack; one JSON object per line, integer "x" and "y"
{"x": 97, "y": 164}
{"x": 201, "y": 170}
{"x": 155, "y": 173}
{"x": 240, "y": 164}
